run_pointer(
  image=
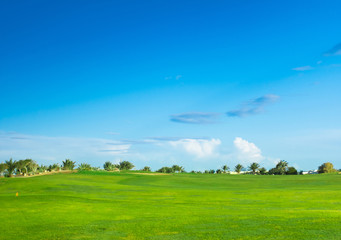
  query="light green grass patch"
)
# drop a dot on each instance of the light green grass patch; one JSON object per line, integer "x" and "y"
{"x": 123, "y": 205}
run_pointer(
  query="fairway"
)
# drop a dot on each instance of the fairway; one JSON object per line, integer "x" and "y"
{"x": 103, "y": 205}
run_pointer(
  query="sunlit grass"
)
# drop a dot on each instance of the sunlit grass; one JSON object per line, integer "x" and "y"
{"x": 123, "y": 205}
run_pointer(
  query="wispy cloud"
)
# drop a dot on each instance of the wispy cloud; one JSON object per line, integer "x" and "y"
{"x": 195, "y": 117}
{"x": 177, "y": 77}
{"x": 336, "y": 50}
{"x": 174, "y": 138}
{"x": 304, "y": 68}
{"x": 112, "y": 133}
{"x": 251, "y": 107}
{"x": 254, "y": 106}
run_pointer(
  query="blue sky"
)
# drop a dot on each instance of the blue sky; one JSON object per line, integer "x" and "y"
{"x": 196, "y": 83}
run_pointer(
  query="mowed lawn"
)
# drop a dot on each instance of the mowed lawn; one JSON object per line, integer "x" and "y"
{"x": 101, "y": 205}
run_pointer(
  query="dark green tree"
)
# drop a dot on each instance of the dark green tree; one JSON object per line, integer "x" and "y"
{"x": 282, "y": 167}
{"x": 166, "y": 170}
{"x": 108, "y": 166}
{"x": 176, "y": 168}
{"x": 31, "y": 166}
{"x": 68, "y": 164}
{"x": 21, "y": 165}
{"x": 29, "y": 163}
{"x": 11, "y": 166}
{"x": 125, "y": 165}
{"x": 327, "y": 167}
{"x": 3, "y": 167}
{"x": 84, "y": 167}
{"x": 146, "y": 169}
{"x": 262, "y": 171}
{"x": 238, "y": 168}
{"x": 291, "y": 171}
{"x": 225, "y": 168}
{"x": 53, "y": 167}
{"x": 254, "y": 167}
{"x": 273, "y": 171}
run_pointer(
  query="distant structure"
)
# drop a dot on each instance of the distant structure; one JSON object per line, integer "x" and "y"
{"x": 310, "y": 172}
{"x": 241, "y": 172}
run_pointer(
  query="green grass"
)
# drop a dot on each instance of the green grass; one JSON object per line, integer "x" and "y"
{"x": 100, "y": 205}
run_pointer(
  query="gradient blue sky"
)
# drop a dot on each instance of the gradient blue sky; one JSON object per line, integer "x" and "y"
{"x": 196, "y": 83}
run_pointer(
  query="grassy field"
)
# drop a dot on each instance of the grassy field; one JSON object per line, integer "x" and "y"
{"x": 101, "y": 205}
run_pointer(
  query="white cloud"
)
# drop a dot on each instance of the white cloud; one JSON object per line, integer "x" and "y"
{"x": 198, "y": 147}
{"x": 50, "y": 149}
{"x": 247, "y": 152}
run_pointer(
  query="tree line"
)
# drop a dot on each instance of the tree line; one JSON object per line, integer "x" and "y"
{"x": 29, "y": 167}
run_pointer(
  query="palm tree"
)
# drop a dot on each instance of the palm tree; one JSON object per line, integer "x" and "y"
{"x": 238, "y": 168}
{"x": 84, "y": 167}
{"x": 254, "y": 166}
{"x": 28, "y": 163}
{"x": 53, "y": 167}
{"x": 3, "y": 167}
{"x": 11, "y": 166}
{"x": 176, "y": 168}
{"x": 225, "y": 168}
{"x": 109, "y": 166}
{"x": 282, "y": 167}
{"x": 68, "y": 164}
{"x": 42, "y": 168}
{"x": 21, "y": 164}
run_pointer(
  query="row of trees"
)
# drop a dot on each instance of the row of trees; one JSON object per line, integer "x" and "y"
{"x": 123, "y": 165}
{"x": 173, "y": 169}
{"x": 29, "y": 167}
{"x": 281, "y": 168}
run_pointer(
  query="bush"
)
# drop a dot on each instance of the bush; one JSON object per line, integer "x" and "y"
{"x": 84, "y": 167}
{"x": 146, "y": 169}
{"x": 166, "y": 170}
{"x": 54, "y": 167}
{"x": 125, "y": 165}
{"x": 292, "y": 171}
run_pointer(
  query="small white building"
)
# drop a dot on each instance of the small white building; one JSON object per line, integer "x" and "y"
{"x": 310, "y": 172}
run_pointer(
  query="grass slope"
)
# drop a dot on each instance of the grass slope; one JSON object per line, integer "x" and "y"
{"x": 100, "y": 205}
